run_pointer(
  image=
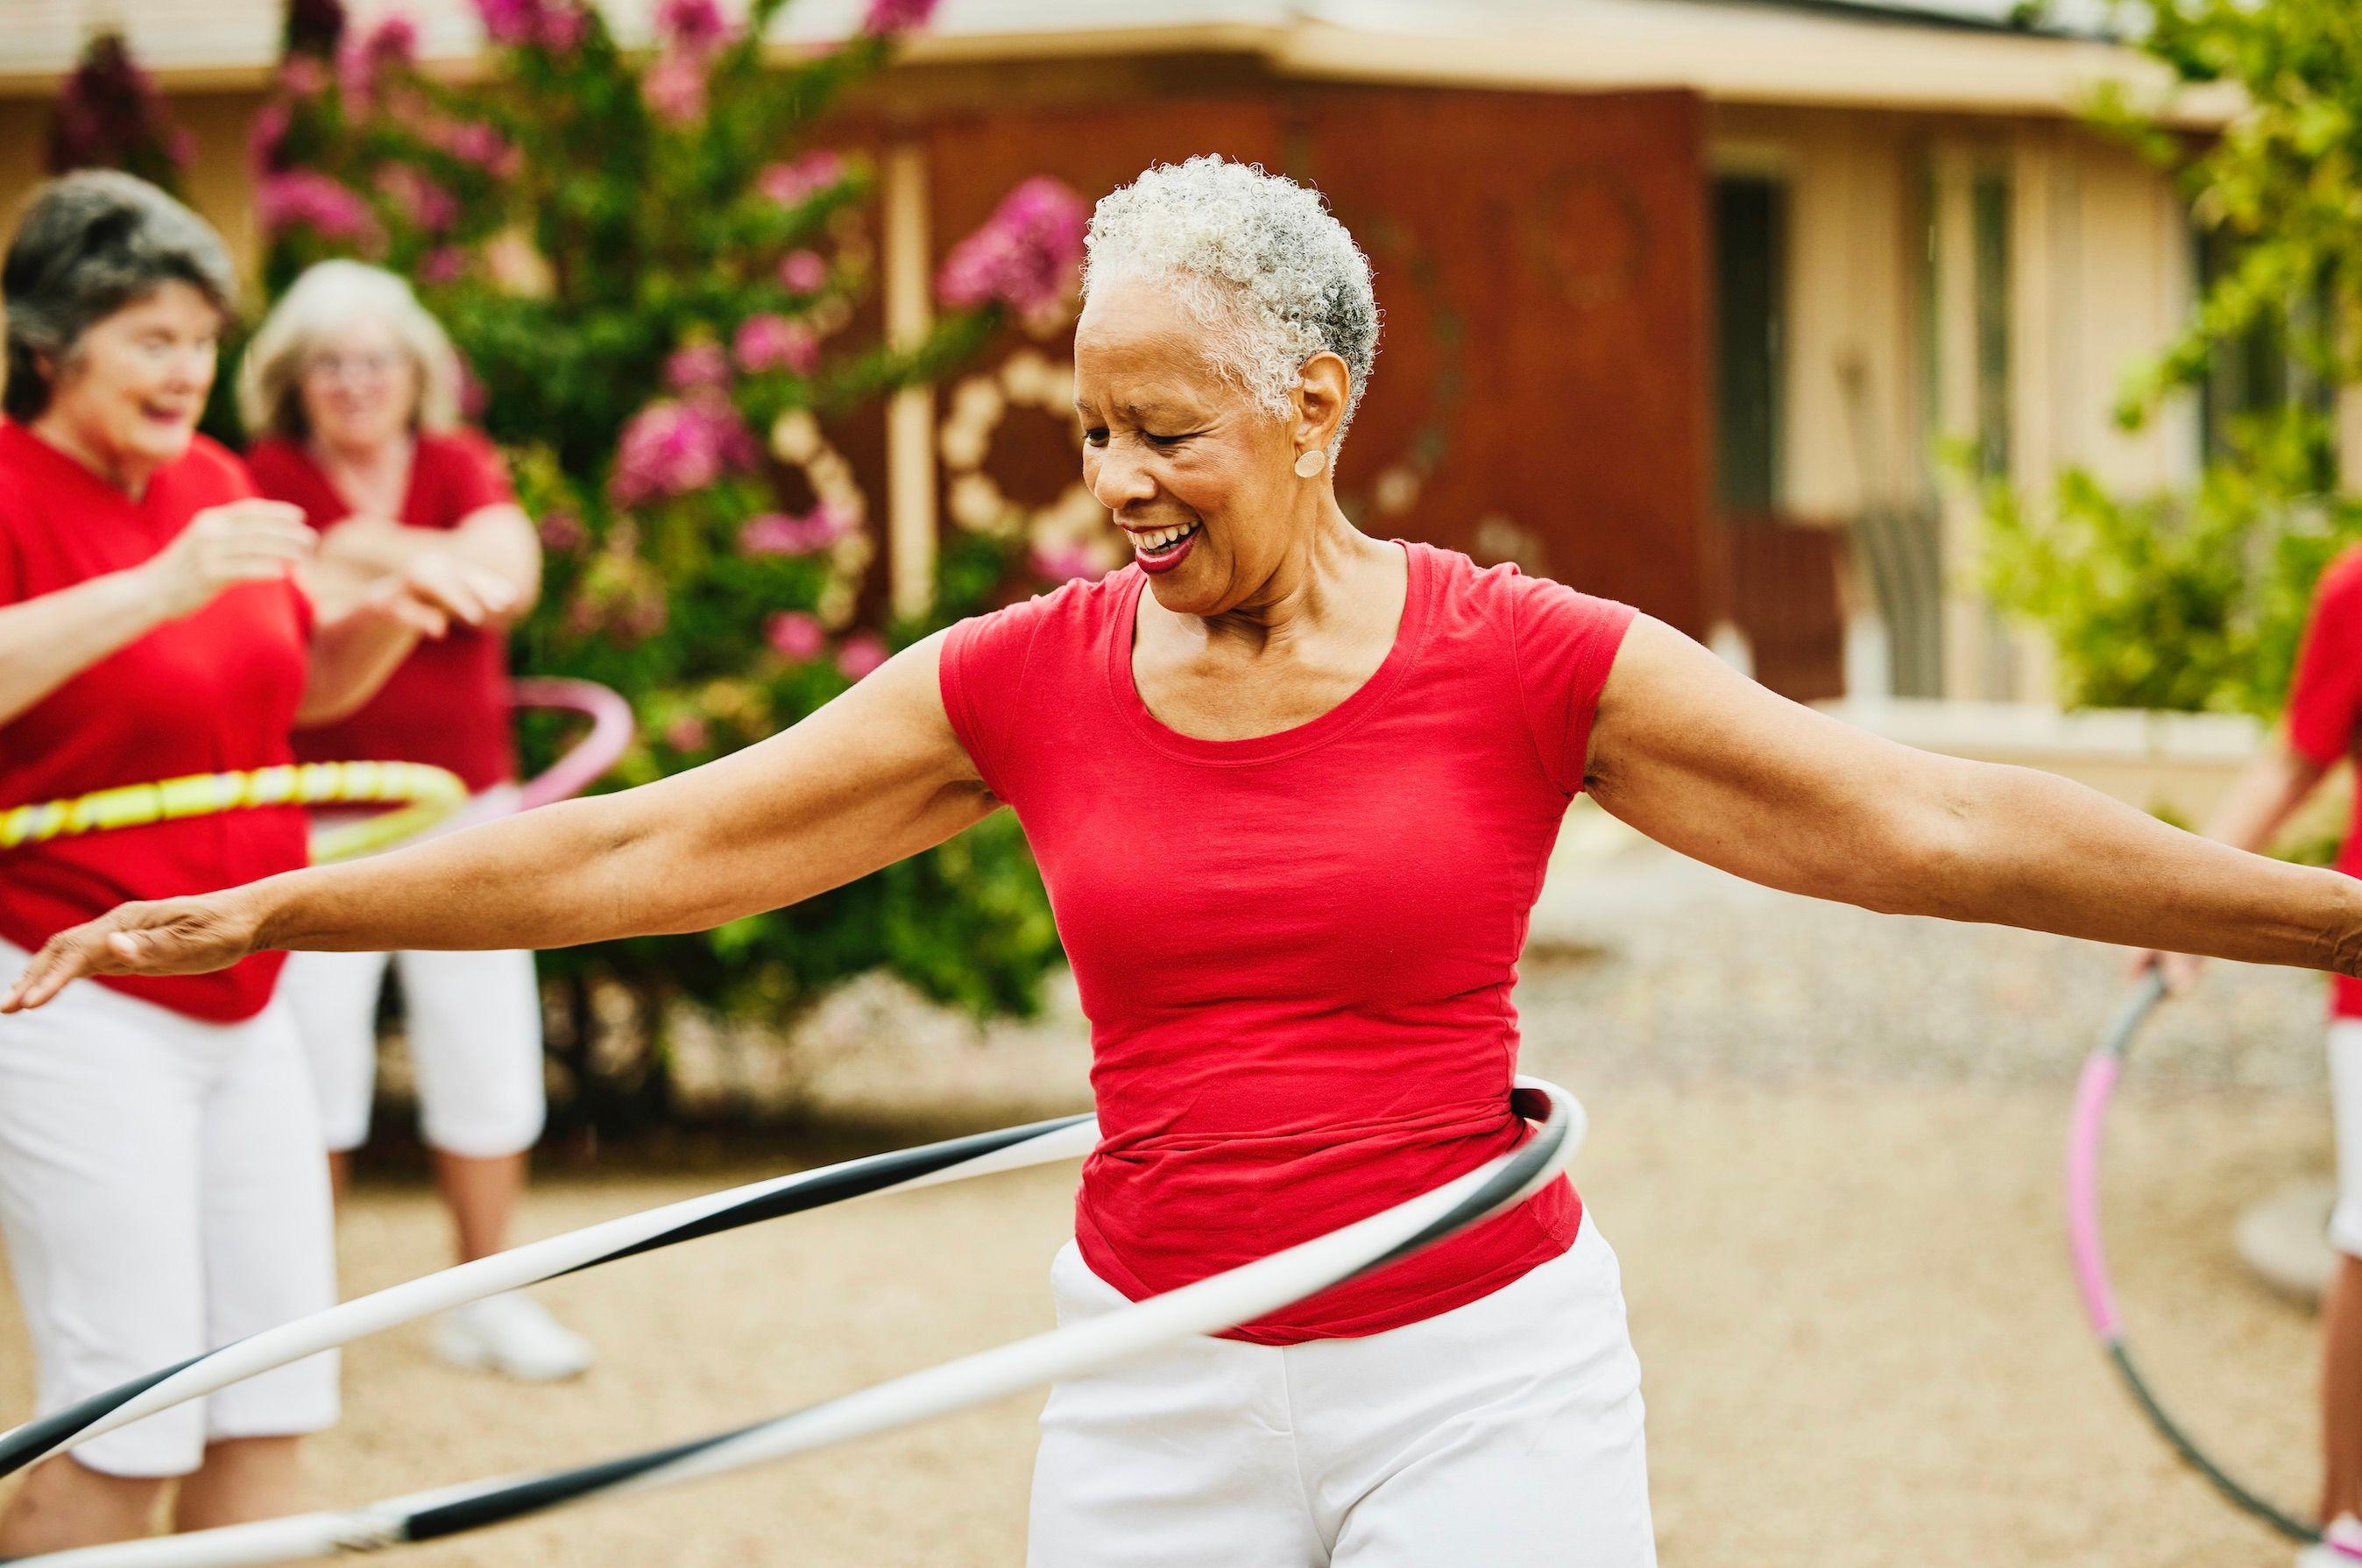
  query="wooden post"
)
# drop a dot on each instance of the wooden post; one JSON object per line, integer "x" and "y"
{"x": 911, "y": 415}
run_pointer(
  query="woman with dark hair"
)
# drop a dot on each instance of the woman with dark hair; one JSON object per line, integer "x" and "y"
{"x": 160, "y": 1185}
{"x": 1293, "y": 789}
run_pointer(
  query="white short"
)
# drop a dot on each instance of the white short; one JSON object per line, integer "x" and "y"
{"x": 1506, "y": 1432}
{"x": 473, "y": 1021}
{"x": 162, "y": 1193}
{"x": 2346, "y": 1110}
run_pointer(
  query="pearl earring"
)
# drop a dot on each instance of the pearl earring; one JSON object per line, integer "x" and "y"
{"x": 1310, "y": 463}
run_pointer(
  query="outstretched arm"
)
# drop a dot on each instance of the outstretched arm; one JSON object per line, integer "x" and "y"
{"x": 875, "y": 776}
{"x": 1706, "y": 761}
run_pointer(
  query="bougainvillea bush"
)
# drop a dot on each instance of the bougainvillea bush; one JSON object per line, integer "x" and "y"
{"x": 655, "y": 279}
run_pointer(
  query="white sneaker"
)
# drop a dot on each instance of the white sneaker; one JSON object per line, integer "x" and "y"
{"x": 2340, "y": 1546}
{"x": 512, "y": 1334}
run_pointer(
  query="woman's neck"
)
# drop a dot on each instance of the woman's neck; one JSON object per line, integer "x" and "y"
{"x": 1316, "y": 585}
{"x": 125, "y": 471}
{"x": 373, "y": 476}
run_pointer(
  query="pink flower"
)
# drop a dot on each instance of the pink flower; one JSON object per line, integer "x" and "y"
{"x": 425, "y": 203}
{"x": 672, "y": 448}
{"x": 780, "y": 534}
{"x": 444, "y": 264}
{"x": 688, "y": 733}
{"x": 698, "y": 366}
{"x": 389, "y": 47}
{"x": 300, "y": 198}
{"x": 472, "y": 141}
{"x": 474, "y": 396}
{"x": 563, "y": 532}
{"x": 1058, "y": 563}
{"x": 270, "y": 125}
{"x": 803, "y": 271}
{"x": 556, "y": 25}
{"x": 770, "y": 342}
{"x": 674, "y": 88}
{"x": 794, "y": 635}
{"x": 859, "y": 653}
{"x": 1025, "y": 255}
{"x": 889, "y": 17}
{"x": 694, "y": 27}
{"x": 562, "y": 27}
{"x": 301, "y": 76}
{"x": 788, "y": 184}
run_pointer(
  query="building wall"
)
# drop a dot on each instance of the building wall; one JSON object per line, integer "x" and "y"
{"x": 1882, "y": 374}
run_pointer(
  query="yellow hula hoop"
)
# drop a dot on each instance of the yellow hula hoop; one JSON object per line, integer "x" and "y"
{"x": 425, "y": 794}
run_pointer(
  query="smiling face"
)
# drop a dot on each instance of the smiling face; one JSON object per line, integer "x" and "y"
{"x": 130, "y": 391}
{"x": 359, "y": 387}
{"x": 1197, "y": 473}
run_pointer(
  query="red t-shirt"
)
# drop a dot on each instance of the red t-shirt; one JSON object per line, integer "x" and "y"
{"x": 212, "y": 692}
{"x": 448, "y": 703}
{"x": 2324, "y": 703}
{"x": 1297, "y": 951}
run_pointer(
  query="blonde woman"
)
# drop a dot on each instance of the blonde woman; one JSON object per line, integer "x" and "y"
{"x": 352, "y": 390}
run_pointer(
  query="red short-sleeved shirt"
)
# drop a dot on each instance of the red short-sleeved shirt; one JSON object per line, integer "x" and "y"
{"x": 2324, "y": 705}
{"x": 1297, "y": 951}
{"x": 448, "y": 703}
{"x": 212, "y": 692}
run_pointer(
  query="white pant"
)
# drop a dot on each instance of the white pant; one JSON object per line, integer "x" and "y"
{"x": 473, "y": 1021}
{"x": 2346, "y": 1110}
{"x": 1504, "y": 1433}
{"x": 162, "y": 1193}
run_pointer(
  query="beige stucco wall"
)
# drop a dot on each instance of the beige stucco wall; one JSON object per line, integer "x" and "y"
{"x": 1880, "y": 363}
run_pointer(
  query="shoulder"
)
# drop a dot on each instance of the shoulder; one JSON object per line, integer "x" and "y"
{"x": 460, "y": 448}
{"x": 1503, "y": 598}
{"x": 1077, "y": 611}
{"x": 2340, "y": 588}
{"x": 212, "y": 472}
{"x": 275, "y": 463}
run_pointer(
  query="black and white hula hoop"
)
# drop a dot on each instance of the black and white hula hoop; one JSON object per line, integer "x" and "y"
{"x": 2086, "y": 1139}
{"x": 1210, "y": 1306}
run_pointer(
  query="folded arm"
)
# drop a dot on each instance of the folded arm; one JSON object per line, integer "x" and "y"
{"x": 1706, "y": 761}
{"x": 874, "y": 777}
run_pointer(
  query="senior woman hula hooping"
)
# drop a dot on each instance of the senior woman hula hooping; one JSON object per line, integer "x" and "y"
{"x": 161, "y": 1190}
{"x": 352, "y": 391}
{"x": 1292, "y": 789}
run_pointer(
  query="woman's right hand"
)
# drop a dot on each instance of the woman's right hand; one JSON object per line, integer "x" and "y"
{"x": 240, "y": 541}
{"x": 2180, "y": 969}
{"x": 161, "y": 937}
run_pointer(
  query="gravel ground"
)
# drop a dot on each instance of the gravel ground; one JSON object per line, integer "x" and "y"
{"x": 1826, "y": 1143}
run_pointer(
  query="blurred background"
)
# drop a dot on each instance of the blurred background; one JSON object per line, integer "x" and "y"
{"x": 1977, "y": 370}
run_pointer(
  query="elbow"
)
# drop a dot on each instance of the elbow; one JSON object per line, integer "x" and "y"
{"x": 1923, "y": 858}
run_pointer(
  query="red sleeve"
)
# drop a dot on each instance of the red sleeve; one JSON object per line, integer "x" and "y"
{"x": 2326, "y": 694}
{"x": 1565, "y": 644}
{"x": 982, "y": 674}
{"x": 12, "y": 557}
{"x": 476, "y": 475}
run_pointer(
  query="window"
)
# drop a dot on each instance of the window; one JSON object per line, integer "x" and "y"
{"x": 1750, "y": 239}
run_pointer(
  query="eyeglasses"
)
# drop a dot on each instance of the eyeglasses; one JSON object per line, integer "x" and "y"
{"x": 370, "y": 366}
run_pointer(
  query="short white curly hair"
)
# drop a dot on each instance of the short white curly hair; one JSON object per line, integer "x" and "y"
{"x": 1256, "y": 257}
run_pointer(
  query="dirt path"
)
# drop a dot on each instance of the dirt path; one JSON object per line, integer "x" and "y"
{"x": 1826, "y": 1145}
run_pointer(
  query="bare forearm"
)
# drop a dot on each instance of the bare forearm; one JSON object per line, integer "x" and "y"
{"x": 497, "y": 539}
{"x": 2016, "y": 846}
{"x": 47, "y": 641}
{"x": 353, "y": 656}
{"x": 2260, "y": 802}
{"x": 552, "y": 877}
